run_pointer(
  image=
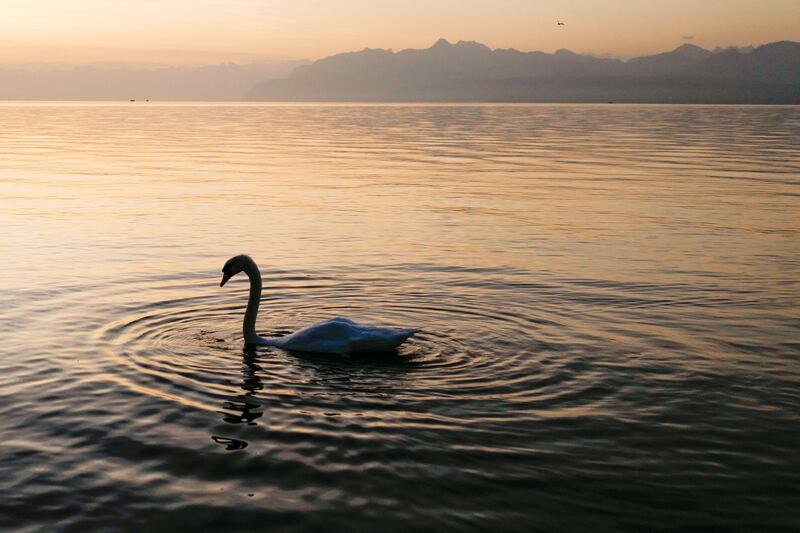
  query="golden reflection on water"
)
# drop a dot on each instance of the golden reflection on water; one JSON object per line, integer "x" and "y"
{"x": 558, "y": 188}
{"x": 592, "y": 282}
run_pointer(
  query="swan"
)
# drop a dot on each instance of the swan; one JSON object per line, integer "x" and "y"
{"x": 336, "y": 336}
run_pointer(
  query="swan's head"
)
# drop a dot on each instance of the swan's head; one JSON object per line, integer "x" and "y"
{"x": 233, "y": 266}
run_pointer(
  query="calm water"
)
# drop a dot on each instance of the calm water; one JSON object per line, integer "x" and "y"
{"x": 609, "y": 298}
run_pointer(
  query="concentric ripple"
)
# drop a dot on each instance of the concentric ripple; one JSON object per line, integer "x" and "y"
{"x": 607, "y": 295}
{"x": 445, "y": 409}
{"x": 469, "y": 352}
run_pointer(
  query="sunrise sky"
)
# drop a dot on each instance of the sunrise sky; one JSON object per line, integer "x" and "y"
{"x": 209, "y": 31}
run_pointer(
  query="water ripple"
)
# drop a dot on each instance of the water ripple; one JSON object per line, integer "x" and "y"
{"x": 608, "y": 300}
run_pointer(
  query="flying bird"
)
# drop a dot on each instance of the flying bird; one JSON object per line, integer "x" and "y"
{"x": 559, "y": 23}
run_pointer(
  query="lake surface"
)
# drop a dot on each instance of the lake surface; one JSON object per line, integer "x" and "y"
{"x": 609, "y": 299}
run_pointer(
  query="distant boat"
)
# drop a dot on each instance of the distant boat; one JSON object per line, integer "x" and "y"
{"x": 132, "y": 100}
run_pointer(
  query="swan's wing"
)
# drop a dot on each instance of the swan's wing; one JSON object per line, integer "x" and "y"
{"x": 331, "y": 336}
{"x": 343, "y": 336}
{"x": 380, "y": 339}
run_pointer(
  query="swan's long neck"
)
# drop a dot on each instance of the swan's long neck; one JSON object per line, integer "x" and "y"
{"x": 250, "y": 315}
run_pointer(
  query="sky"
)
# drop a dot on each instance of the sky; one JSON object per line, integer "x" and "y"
{"x": 183, "y": 32}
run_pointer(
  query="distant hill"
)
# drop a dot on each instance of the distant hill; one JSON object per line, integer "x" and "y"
{"x": 772, "y": 63}
{"x": 227, "y": 81}
{"x": 472, "y": 72}
{"x": 679, "y": 60}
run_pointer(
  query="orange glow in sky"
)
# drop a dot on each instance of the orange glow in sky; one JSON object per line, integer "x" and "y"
{"x": 203, "y": 31}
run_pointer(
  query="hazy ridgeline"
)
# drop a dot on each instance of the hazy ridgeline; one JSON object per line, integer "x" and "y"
{"x": 122, "y": 82}
{"x": 472, "y": 72}
{"x": 461, "y": 72}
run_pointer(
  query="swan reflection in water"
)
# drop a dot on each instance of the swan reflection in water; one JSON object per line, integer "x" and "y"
{"x": 243, "y": 408}
{"x": 364, "y": 376}
{"x": 245, "y": 405}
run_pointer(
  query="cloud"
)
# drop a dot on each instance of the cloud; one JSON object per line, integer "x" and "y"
{"x": 688, "y": 37}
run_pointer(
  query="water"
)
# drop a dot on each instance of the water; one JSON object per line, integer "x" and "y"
{"x": 609, "y": 300}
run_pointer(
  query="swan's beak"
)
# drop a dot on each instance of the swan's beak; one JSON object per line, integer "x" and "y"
{"x": 225, "y": 278}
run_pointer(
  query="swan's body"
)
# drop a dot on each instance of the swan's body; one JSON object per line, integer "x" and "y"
{"x": 335, "y": 336}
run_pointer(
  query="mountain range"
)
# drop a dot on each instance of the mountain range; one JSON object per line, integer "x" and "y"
{"x": 227, "y": 81}
{"x": 472, "y": 72}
